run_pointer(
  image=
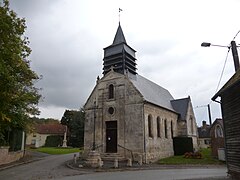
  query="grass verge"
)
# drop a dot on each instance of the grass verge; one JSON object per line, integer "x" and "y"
{"x": 56, "y": 150}
{"x": 207, "y": 159}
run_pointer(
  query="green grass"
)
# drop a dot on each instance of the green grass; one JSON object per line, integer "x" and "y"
{"x": 56, "y": 150}
{"x": 207, "y": 159}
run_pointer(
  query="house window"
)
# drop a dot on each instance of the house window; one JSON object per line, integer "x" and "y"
{"x": 33, "y": 142}
{"x": 207, "y": 142}
{"x": 150, "y": 132}
{"x": 218, "y": 131}
{"x": 158, "y": 127}
{"x": 110, "y": 91}
{"x": 165, "y": 128}
{"x": 191, "y": 125}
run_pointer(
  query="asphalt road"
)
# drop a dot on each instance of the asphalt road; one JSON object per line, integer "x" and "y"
{"x": 53, "y": 167}
{"x": 50, "y": 167}
{"x": 163, "y": 174}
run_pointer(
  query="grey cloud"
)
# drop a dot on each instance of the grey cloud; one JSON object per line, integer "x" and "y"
{"x": 31, "y": 8}
{"x": 69, "y": 56}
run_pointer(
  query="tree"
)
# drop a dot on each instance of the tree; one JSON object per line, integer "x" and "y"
{"x": 36, "y": 120}
{"x": 18, "y": 96}
{"x": 75, "y": 123}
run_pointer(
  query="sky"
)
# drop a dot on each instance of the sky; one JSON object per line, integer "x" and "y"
{"x": 67, "y": 38}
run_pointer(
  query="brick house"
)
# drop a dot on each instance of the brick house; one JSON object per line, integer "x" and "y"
{"x": 217, "y": 136}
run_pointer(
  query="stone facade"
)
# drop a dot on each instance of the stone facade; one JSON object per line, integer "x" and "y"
{"x": 129, "y": 115}
{"x": 159, "y": 145}
{"x": 126, "y": 102}
{"x": 192, "y": 126}
{"x": 8, "y": 157}
{"x": 132, "y": 115}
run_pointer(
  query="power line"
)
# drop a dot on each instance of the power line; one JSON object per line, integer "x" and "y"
{"x": 200, "y": 106}
{"x": 223, "y": 68}
{"x": 236, "y": 35}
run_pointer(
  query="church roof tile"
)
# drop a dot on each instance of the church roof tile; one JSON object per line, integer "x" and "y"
{"x": 152, "y": 92}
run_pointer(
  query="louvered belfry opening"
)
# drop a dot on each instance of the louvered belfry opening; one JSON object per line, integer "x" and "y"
{"x": 119, "y": 56}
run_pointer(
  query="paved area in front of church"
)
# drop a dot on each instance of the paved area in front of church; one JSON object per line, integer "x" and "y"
{"x": 54, "y": 167}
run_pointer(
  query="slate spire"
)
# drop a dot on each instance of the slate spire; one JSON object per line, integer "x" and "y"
{"x": 119, "y": 56}
{"x": 119, "y": 36}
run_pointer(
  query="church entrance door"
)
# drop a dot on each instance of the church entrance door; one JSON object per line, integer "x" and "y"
{"x": 111, "y": 136}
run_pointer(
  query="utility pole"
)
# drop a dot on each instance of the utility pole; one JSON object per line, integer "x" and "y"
{"x": 235, "y": 55}
{"x": 209, "y": 114}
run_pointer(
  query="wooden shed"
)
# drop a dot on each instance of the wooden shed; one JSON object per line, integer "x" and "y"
{"x": 230, "y": 104}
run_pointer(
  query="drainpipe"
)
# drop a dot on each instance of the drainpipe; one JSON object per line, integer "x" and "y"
{"x": 226, "y": 149}
{"x": 144, "y": 136}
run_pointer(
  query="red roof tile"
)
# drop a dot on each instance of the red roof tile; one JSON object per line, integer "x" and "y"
{"x": 50, "y": 129}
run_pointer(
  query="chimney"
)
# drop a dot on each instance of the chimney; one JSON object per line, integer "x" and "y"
{"x": 204, "y": 124}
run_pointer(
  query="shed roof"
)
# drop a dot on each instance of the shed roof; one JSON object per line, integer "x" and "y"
{"x": 58, "y": 129}
{"x": 152, "y": 92}
{"x": 217, "y": 121}
{"x": 231, "y": 82}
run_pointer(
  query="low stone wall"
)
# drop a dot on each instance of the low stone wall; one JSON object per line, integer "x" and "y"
{"x": 8, "y": 157}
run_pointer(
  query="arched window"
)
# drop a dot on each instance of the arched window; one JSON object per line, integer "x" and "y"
{"x": 110, "y": 91}
{"x": 191, "y": 125}
{"x": 171, "y": 129}
{"x": 218, "y": 131}
{"x": 165, "y": 128}
{"x": 158, "y": 127}
{"x": 150, "y": 132}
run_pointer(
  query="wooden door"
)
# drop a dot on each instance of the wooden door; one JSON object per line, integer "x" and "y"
{"x": 111, "y": 136}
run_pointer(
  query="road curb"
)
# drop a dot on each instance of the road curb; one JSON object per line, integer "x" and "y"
{"x": 150, "y": 167}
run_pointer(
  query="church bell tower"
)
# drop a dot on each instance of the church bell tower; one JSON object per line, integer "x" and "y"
{"x": 119, "y": 55}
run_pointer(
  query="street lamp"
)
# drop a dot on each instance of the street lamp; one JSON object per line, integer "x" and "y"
{"x": 234, "y": 52}
{"x": 207, "y": 44}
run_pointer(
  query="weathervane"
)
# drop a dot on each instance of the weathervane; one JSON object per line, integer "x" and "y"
{"x": 119, "y": 11}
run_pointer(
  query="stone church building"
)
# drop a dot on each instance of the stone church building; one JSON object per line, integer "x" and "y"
{"x": 129, "y": 115}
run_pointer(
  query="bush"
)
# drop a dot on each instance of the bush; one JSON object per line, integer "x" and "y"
{"x": 53, "y": 141}
{"x": 195, "y": 155}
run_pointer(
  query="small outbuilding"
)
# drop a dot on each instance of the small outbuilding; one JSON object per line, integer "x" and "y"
{"x": 230, "y": 104}
{"x": 37, "y": 138}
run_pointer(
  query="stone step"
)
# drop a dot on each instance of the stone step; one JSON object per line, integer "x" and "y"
{"x": 112, "y": 157}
